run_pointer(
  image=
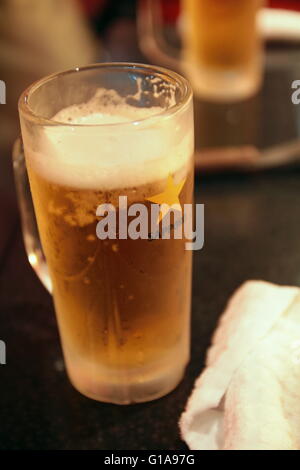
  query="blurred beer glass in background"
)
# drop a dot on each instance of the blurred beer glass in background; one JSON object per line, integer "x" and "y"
{"x": 222, "y": 48}
{"x": 123, "y": 305}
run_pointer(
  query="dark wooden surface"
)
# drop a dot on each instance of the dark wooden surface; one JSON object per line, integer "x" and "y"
{"x": 251, "y": 232}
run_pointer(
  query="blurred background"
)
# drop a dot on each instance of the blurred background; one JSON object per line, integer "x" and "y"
{"x": 242, "y": 58}
{"x": 38, "y": 38}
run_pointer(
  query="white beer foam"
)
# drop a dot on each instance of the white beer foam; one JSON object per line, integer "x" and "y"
{"x": 95, "y": 156}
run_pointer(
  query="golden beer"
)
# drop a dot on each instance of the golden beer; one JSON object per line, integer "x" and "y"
{"x": 222, "y": 47}
{"x": 122, "y": 305}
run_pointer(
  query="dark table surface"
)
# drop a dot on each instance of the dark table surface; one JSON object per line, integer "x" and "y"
{"x": 251, "y": 232}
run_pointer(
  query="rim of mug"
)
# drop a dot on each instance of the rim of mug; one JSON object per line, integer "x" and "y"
{"x": 187, "y": 94}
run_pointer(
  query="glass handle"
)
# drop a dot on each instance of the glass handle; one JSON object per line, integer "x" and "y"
{"x": 151, "y": 41}
{"x": 31, "y": 236}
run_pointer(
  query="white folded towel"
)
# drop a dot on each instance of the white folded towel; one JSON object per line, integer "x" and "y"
{"x": 248, "y": 396}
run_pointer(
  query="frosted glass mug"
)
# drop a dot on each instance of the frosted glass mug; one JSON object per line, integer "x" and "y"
{"x": 221, "y": 50}
{"x": 91, "y": 135}
{"x": 222, "y": 47}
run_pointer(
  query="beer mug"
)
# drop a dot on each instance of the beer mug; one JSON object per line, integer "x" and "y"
{"x": 221, "y": 53}
{"x": 94, "y": 139}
